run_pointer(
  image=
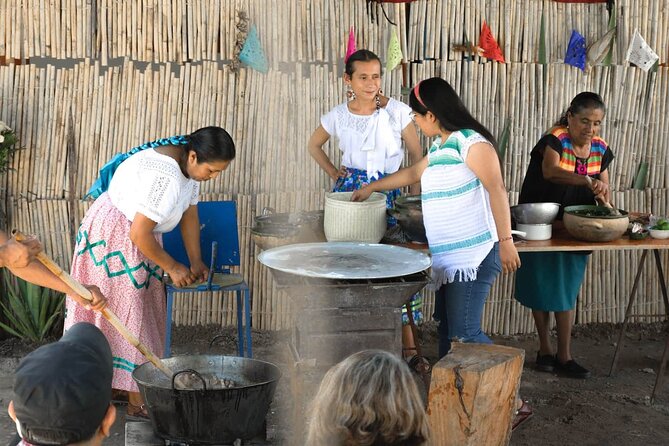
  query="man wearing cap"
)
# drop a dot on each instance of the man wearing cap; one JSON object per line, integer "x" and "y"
{"x": 62, "y": 391}
{"x": 19, "y": 258}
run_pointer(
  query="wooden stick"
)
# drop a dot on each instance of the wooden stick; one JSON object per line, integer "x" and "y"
{"x": 107, "y": 313}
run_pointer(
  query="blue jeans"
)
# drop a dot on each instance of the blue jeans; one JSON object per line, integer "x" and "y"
{"x": 459, "y": 305}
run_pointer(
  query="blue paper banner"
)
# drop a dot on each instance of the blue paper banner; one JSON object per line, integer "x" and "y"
{"x": 576, "y": 51}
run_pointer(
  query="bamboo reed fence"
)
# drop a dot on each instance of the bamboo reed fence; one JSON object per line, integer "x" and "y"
{"x": 196, "y": 30}
{"x": 107, "y": 99}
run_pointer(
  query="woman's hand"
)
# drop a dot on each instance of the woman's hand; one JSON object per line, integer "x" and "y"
{"x": 361, "y": 194}
{"x": 599, "y": 188}
{"x": 508, "y": 254}
{"x": 341, "y": 172}
{"x": 180, "y": 275}
{"x": 199, "y": 270}
{"x": 99, "y": 302}
{"x": 15, "y": 254}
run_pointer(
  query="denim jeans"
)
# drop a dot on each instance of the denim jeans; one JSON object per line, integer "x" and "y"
{"x": 459, "y": 305}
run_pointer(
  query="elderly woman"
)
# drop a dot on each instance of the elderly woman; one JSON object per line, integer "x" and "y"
{"x": 560, "y": 165}
{"x": 370, "y": 398}
{"x": 369, "y": 128}
{"x": 119, "y": 241}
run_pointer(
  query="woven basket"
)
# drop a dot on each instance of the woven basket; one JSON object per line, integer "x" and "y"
{"x": 349, "y": 221}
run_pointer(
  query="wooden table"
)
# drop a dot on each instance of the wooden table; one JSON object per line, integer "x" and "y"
{"x": 562, "y": 241}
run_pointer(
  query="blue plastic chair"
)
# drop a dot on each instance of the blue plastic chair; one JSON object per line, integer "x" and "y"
{"x": 219, "y": 242}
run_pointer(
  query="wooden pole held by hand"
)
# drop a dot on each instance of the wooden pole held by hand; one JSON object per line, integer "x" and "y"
{"x": 107, "y": 313}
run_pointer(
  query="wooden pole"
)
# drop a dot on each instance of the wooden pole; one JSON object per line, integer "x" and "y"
{"x": 107, "y": 313}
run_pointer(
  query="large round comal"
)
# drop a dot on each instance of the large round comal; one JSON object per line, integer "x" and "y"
{"x": 353, "y": 221}
{"x": 209, "y": 416}
{"x": 592, "y": 223}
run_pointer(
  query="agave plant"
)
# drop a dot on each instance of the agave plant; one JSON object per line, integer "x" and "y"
{"x": 29, "y": 310}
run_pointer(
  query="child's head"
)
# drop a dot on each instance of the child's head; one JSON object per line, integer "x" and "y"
{"x": 434, "y": 101}
{"x": 209, "y": 151}
{"x": 370, "y": 398}
{"x": 62, "y": 391}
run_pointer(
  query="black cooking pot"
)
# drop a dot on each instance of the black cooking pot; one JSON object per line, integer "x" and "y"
{"x": 209, "y": 416}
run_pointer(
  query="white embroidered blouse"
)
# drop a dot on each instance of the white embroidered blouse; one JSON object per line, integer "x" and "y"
{"x": 153, "y": 185}
{"x": 370, "y": 142}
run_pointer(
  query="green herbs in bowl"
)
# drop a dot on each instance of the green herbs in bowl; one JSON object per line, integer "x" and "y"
{"x": 662, "y": 225}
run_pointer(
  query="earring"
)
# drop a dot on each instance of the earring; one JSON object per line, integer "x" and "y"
{"x": 350, "y": 94}
{"x": 378, "y": 102}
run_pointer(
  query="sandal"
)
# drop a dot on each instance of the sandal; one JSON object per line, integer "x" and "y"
{"x": 422, "y": 367}
{"x": 137, "y": 413}
{"x": 523, "y": 414}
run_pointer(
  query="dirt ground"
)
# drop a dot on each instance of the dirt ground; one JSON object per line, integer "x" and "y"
{"x": 602, "y": 410}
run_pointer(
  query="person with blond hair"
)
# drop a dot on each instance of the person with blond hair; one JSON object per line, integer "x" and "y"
{"x": 369, "y": 399}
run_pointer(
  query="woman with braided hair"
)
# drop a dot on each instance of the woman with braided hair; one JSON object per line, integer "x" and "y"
{"x": 139, "y": 196}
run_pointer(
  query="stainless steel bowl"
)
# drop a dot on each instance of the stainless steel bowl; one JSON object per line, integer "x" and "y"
{"x": 535, "y": 213}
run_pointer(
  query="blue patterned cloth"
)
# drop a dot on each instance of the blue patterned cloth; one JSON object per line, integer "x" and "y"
{"x": 107, "y": 172}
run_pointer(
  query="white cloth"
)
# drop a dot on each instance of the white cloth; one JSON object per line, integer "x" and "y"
{"x": 458, "y": 219}
{"x": 370, "y": 142}
{"x": 153, "y": 185}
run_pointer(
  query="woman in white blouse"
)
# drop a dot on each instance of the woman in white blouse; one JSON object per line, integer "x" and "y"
{"x": 151, "y": 190}
{"x": 369, "y": 128}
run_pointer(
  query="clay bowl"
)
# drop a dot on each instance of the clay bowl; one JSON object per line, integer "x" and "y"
{"x": 594, "y": 223}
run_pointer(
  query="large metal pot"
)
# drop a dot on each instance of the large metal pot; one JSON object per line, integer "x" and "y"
{"x": 594, "y": 223}
{"x": 209, "y": 416}
{"x": 271, "y": 229}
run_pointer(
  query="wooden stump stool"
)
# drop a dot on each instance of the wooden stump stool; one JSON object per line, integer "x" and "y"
{"x": 473, "y": 393}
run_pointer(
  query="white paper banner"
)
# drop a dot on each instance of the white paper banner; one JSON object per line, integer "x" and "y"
{"x": 640, "y": 54}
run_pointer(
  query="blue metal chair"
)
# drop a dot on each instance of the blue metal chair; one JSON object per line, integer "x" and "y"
{"x": 219, "y": 242}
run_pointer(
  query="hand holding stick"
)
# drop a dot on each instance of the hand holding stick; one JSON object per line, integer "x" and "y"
{"x": 106, "y": 312}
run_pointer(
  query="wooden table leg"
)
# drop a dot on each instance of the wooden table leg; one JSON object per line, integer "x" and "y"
{"x": 665, "y": 354}
{"x": 660, "y": 374}
{"x": 663, "y": 284}
{"x": 621, "y": 335}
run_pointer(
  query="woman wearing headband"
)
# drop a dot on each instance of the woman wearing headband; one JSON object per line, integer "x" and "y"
{"x": 465, "y": 210}
{"x": 151, "y": 189}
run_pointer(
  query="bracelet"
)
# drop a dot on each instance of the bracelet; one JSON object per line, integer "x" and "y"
{"x": 503, "y": 239}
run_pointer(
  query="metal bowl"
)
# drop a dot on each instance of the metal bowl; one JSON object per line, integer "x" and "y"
{"x": 535, "y": 213}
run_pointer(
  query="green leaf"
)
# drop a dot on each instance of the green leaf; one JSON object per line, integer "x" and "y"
{"x": 504, "y": 139}
{"x": 30, "y": 311}
{"x": 10, "y": 330}
{"x": 641, "y": 176}
{"x": 542, "y": 41}
{"x": 612, "y": 24}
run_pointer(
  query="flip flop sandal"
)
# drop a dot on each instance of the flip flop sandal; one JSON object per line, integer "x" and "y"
{"x": 523, "y": 414}
{"x": 137, "y": 413}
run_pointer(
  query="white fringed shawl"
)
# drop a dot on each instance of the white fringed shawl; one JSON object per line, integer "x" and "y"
{"x": 458, "y": 219}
